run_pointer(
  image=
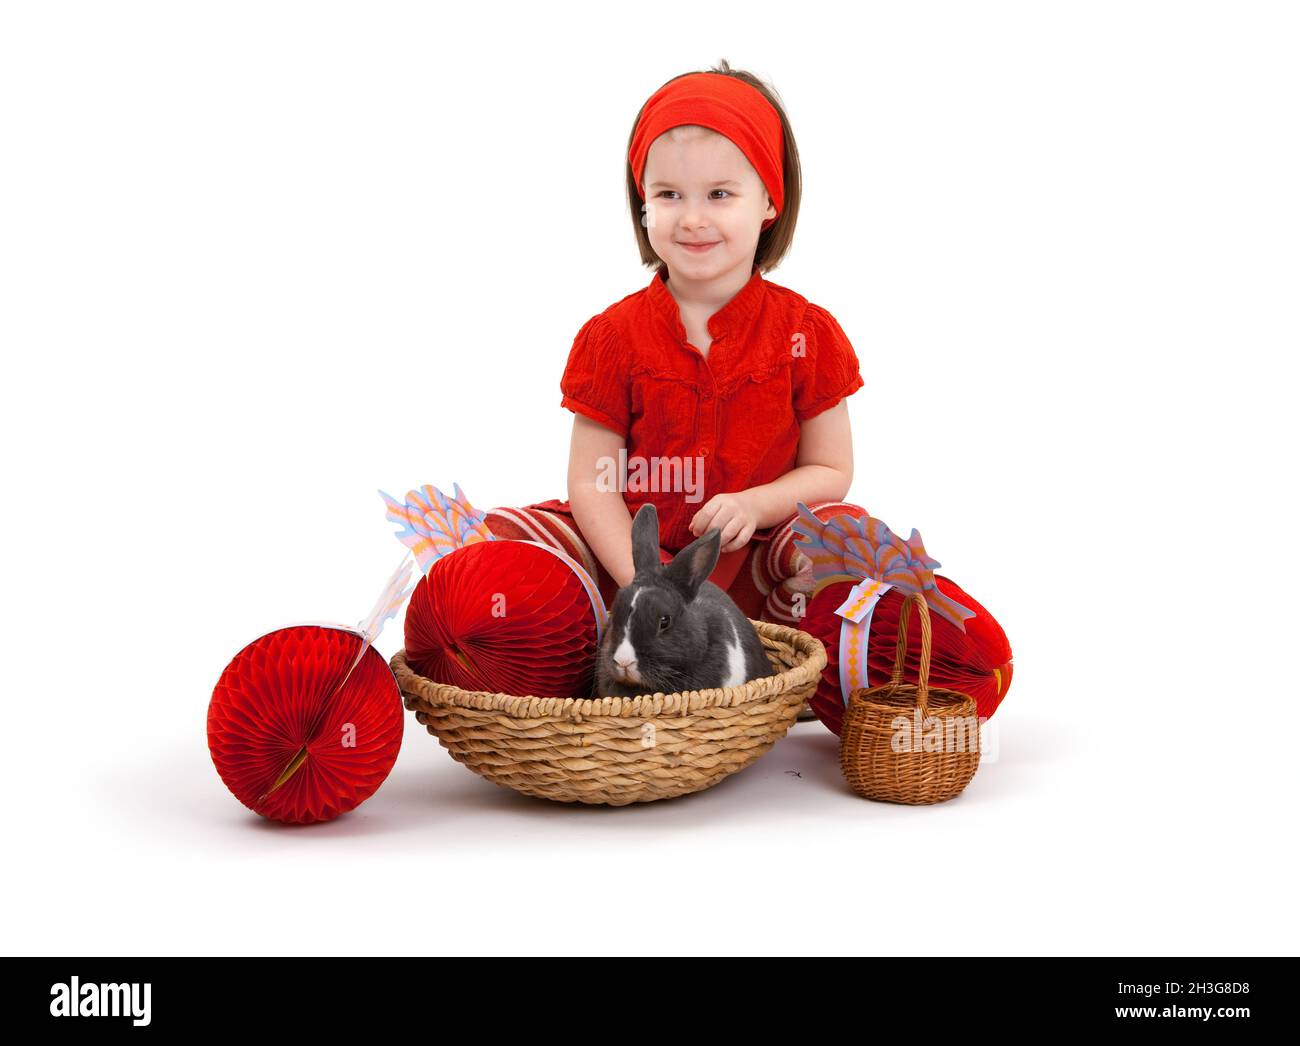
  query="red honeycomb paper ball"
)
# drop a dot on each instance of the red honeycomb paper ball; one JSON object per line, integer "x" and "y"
{"x": 505, "y": 617}
{"x": 272, "y": 707}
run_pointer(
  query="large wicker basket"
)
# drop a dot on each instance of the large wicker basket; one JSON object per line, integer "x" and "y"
{"x": 619, "y": 750}
{"x": 885, "y": 742}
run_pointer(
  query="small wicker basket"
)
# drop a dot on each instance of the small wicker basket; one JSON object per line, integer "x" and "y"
{"x": 888, "y": 743}
{"x": 619, "y": 750}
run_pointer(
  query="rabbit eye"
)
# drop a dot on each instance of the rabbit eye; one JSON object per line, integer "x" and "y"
{"x": 664, "y": 622}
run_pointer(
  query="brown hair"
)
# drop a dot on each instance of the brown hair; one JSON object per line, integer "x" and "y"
{"x": 774, "y": 241}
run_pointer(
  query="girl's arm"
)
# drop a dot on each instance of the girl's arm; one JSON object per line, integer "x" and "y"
{"x": 823, "y": 469}
{"x": 601, "y": 514}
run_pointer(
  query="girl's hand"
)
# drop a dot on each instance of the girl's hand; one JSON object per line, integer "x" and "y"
{"x": 733, "y": 514}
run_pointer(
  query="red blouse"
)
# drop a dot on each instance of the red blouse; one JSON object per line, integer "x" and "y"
{"x": 719, "y": 424}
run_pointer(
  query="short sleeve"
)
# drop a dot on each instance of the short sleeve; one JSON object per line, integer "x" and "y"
{"x": 595, "y": 382}
{"x": 829, "y": 369}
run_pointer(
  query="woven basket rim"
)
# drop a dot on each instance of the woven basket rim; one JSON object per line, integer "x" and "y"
{"x": 954, "y": 700}
{"x": 763, "y": 689}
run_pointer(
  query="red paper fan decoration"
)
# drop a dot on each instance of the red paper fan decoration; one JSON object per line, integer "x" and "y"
{"x": 975, "y": 662}
{"x": 287, "y": 740}
{"x": 506, "y": 617}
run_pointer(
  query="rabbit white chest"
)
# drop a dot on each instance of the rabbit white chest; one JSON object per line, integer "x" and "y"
{"x": 735, "y": 673}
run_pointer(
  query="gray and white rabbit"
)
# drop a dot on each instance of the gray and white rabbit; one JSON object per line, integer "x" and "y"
{"x": 670, "y": 629}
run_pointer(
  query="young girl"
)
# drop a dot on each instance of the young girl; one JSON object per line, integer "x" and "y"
{"x": 712, "y": 392}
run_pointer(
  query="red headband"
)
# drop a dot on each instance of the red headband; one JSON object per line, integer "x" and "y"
{"x": 724, "y": 104}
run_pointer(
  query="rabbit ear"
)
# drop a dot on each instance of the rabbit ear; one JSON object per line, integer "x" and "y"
{"x": 645, "y": 538}
{"x": 692, "y": 566}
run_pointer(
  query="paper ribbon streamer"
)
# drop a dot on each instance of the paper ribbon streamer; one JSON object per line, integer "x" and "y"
{"x": 390, "y": 601}
{"x": 849, "y": 548}
{"x": 855, "y": 631}
{"x": 434, "y": 525}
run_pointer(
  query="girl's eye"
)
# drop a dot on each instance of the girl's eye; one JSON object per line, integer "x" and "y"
{"x": 664, "y": 622}
{"x": 673, "y": 192}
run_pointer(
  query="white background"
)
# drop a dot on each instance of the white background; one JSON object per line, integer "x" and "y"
{"x": 260, "y": 260}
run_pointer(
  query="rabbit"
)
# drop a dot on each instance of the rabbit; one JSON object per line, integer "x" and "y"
{"x": 671, "y": 629}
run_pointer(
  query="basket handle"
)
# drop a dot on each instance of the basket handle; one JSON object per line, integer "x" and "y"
{"x": 900, "y": 651}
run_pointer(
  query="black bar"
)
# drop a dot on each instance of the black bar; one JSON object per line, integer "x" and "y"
{"x": 292, "y": 994}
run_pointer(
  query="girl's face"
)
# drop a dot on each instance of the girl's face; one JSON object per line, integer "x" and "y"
{"x": 700, "y": 189}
